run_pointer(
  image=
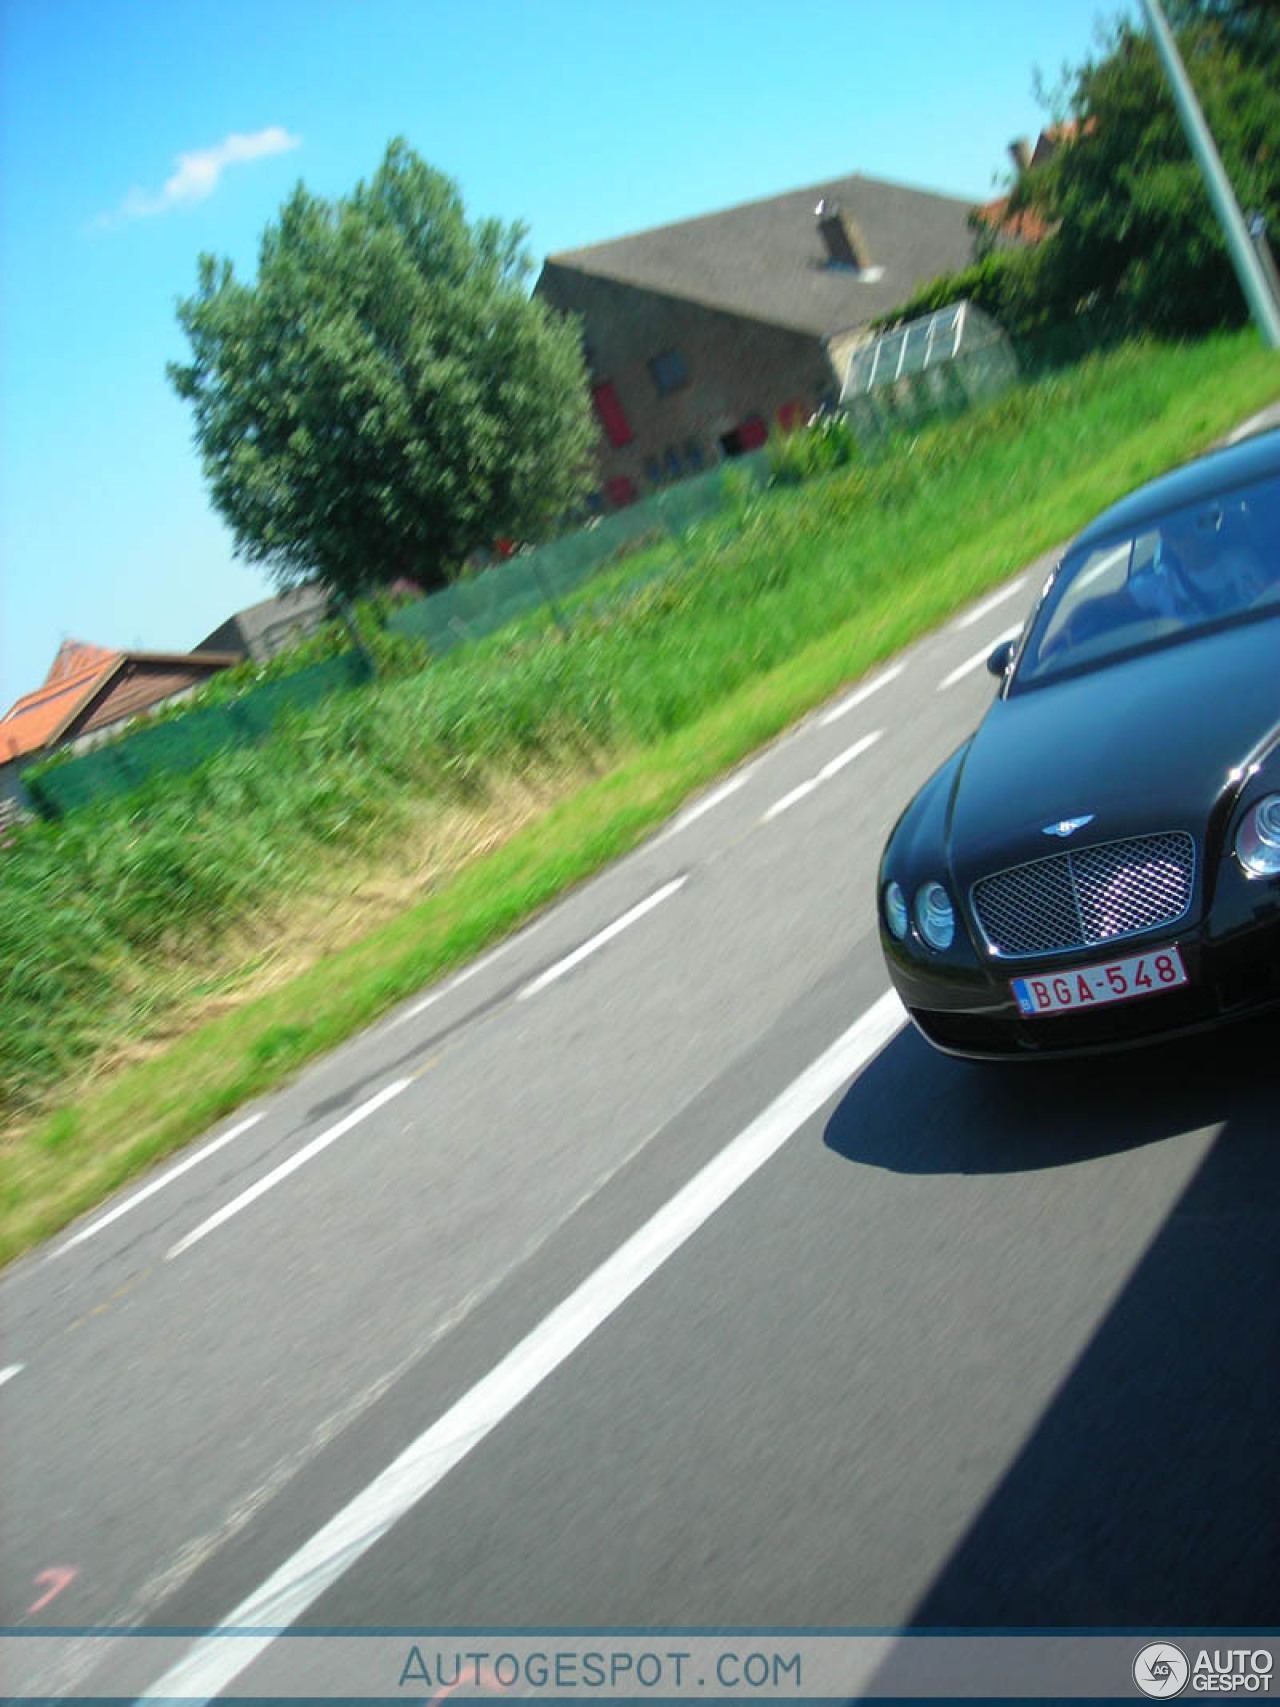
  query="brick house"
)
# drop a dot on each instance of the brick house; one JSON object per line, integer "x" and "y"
{"x": 703, "y": 335}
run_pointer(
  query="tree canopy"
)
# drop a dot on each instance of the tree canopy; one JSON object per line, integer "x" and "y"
{"x": 1133, "y": 237}
{"x": 1135, "y": 229}
{"x": 386, "y": 396}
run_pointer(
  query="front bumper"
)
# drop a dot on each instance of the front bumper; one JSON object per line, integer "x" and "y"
{"x": 968, "y": 1010}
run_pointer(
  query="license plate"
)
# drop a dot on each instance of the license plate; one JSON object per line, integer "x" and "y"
{"x": 1094, "y": 986}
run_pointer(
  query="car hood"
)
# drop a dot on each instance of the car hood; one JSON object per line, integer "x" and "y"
{"x": 1144, "y": 744}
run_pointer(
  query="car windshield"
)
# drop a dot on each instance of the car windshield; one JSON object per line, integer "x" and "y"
{"x": 1186, "y": 571}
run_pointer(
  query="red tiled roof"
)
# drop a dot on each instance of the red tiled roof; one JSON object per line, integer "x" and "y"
{"x": 81, "y": 673}
{"x": 1026, "y": 226}
{"x": 74, "y": 657}
{"x": 76, "y": 672}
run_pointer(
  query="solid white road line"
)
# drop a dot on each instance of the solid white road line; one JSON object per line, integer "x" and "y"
{"x": 601, "y": 937}
{"x": 155, "y": 1186}
{"x": 299, "y": 1159}
{"x": 979, "y": 612}
{"x": 8, "y": 1373}
{"x": 828, "y": 770}
{"x": 215, "y": 1662}
{"x": 860, "y": 695}
{"x": 978, "y": 658}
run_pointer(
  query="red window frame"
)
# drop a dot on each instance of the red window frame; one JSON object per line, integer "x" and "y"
{"x": 613, "y": 417}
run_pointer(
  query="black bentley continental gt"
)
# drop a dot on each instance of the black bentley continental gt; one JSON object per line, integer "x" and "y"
{"x": 1099, "y": 864}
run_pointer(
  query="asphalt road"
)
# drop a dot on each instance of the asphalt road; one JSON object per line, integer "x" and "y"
{"x": 651, "y": 1273}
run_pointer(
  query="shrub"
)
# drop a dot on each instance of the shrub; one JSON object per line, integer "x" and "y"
{"x": 828, "y": 442}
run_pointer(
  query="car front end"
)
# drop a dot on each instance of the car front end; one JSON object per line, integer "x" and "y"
{"x": 1105, "y": 945}
{"x": 1099, "y": 865}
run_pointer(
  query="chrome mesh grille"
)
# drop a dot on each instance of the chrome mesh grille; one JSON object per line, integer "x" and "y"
{"x": 1087, "y": 896}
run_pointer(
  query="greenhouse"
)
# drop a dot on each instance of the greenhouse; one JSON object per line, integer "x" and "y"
{"x": 939, "y": 364}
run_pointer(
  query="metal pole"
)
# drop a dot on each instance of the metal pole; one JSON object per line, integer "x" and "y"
{"x": 1262, "y": 249}
{"x": 1252, "y": 280}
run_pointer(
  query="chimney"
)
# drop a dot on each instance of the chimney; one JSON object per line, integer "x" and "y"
{"x": 1020, "y": 154}
{"x": 845, "y": 244}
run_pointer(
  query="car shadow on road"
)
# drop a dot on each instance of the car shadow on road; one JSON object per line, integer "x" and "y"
{"x": 1146, "y": 1496}
{"x": 915, "y": 1111}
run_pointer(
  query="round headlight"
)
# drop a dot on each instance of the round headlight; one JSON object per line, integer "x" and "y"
{"x": 935, "y": 916}
{"x": 1258, "y": 838}
{"x": 895, "y": 909}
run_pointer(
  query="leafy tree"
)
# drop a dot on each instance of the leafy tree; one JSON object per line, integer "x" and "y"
{"x": 1003, "y": 283}
{"x": 1134, "y": 244}
{"x": 1252, "y": 25}
{"x": 1134, "y": 229}
{"x": 386, "y": 396}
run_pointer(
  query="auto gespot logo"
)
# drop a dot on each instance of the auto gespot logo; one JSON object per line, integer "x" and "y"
{"x": 1162, "y": 1670}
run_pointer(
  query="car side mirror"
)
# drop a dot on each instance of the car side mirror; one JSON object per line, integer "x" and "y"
{"x": 999, "y": 661}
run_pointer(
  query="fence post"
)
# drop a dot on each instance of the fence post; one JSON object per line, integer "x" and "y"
{"x": 547, "y": 595}
{"x": 42, "y": 800}
{"x": 349, "y": 622}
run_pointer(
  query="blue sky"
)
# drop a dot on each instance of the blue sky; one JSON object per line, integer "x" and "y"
{"x": 135, "y": 134}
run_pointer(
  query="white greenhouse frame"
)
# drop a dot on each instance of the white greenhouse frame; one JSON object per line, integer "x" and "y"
{"x": 955, "y": 356}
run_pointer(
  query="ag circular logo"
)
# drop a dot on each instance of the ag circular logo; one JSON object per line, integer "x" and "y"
{"x": 1161, "y": 1670}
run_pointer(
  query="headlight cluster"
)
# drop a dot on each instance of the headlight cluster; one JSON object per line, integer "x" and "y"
{"x": 895, "y": 910}
{"x": 1258, "y": 838}
{"x": 934, "y": 915}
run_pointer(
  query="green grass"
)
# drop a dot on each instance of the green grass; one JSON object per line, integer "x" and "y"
{"x": 687, "y": 657}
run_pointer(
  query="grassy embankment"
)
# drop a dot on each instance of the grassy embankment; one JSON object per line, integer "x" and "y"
{"x": 393, "y": 832}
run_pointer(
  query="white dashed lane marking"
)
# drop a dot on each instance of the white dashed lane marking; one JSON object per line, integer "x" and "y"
{"x": 978, "y": 658}
{"x": 299, "y": 1159}
{"x": 450, "y": 985}
{"x": 598, "y": 941}
{"x": 704, "y": 805}
{"x": 860, "y": 695}
{"x": 984, "y": 610}
{"x": 167, "y": 1178}
{"x": 828, "y": 770}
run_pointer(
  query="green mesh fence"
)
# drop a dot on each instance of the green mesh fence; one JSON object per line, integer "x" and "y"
{"x": 468, "y": 610}
{"x": 186, "y": 741}
{"x": 480, "y": 604}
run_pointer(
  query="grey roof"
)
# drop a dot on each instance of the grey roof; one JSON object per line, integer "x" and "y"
{"x": 256, "y": 627}
{"x": 766, "y": 259}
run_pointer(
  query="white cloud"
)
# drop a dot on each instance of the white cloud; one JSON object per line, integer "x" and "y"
{"x": 197, "y": 174}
